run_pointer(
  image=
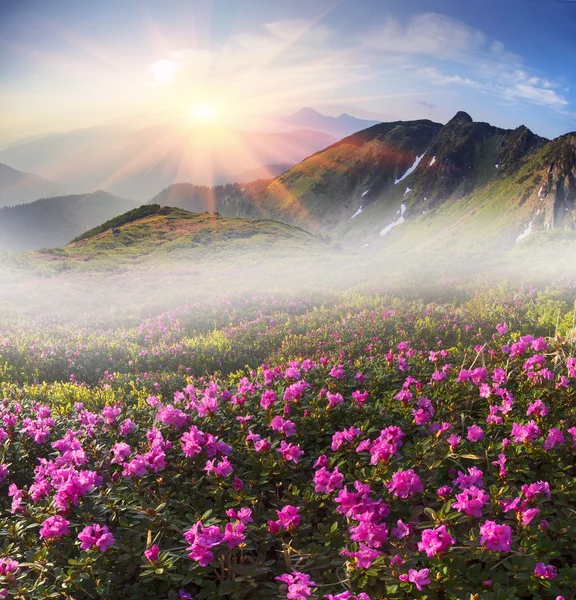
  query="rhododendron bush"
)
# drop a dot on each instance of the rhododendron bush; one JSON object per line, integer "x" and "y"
{"x": 381, "y": 448}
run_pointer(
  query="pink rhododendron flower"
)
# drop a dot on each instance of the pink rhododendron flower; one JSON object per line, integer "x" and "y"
{"x": 418, "y": 578}
{"x": 470, "y": 501}
{"x": 475, "y": 433}
{"x": 288, "y": 428}
{"x": 96, "y": 535}
{"x": 54, "y": 527}
{"x": 454, "y": 441}
{"x": 299, "y": 585}
{"x": 290, "y": 452}
{"x": 326, "y": 482}
{"x": 522, "y": 434}
{"x": 474, "y": 477}
{"x": 364, "y": 556}
{"x": 288, "y": 519}
{"x": 537, "y": 408}
{"x": 405, "y": 484}
{"x": 435, "y": 541}
{"x": 268, "y": 399}
{"x": 342, "y": 437}
{"x": 9, "y": 567}
{"x": 244, "y": 515}
{"x": 221, "y": 469}
{"x": 495, "y": 537}
{"x": 545, "y": 571}
{"x": 401, "y": 530}
{"x": 152, "y": 553}
{"x": 555, "y": 437}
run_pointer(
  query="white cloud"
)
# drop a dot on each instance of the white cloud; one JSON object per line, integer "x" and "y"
{"x": 449, "y": 53}
{"x": 429, "y": 34}
{"x": 536, "y": 95}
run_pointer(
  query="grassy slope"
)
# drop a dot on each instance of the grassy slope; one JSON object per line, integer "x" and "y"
{"x": 157, "y": 234}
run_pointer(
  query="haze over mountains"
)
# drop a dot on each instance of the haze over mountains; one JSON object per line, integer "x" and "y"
{"x": 53, "y": 222}
{"x": 399, "y": 185}
{"x": 338, "y": 127}
{"x": 138, "y": 161}
{"x": 17, "y": 187}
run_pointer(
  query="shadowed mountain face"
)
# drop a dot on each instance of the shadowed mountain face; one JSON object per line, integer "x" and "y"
{"x": 17, "y": 187}
{"x": 55, "y": 221}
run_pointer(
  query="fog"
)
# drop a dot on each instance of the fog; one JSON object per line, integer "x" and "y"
{"x": 124, "y": 295}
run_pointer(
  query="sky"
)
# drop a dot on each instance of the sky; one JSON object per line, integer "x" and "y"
{"x": 67, "y": 64}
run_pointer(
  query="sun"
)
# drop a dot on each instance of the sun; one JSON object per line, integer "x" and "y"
{"x": 203, "y": 113}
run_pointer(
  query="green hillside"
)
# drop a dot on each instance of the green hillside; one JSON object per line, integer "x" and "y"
{"x": 153, "y": 233}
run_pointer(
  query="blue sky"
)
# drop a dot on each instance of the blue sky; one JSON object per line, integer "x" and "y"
{"x": 76, "y": 63}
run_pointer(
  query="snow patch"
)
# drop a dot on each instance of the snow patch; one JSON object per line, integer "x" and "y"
{"x": 411, "y": 169}
{"x": 497, "y": 165}
{"x": 540, "y": 192}
{"x": 356, "y": 213}
{"x": 395, "y": 223}
{"x": 408, "y": 190}
{"x": 525, "y": 233}
{"x": 432, "y": 162}
{"x": 365, "y": 193}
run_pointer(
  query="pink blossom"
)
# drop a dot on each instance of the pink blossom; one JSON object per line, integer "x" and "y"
{"x": 9, "y": 567}
{"x": 475, "y": 433}
{"x": 418, "y": 578}
{"x": 96, "y": 535}
{"x": 54, "y": 527}
{"x": 401, "y": 530}
{"x": 555, "y": 437}
{"x": 545, "y": 571}
{"x": 268, "y": 399}
{"x": 290, "y": 452}
{"x": 364, "y": 556}
{"x": 496, "y": 537}
{"x": 470, "y": 501}
{"x": 405, "y": 484}
{"x": 435, "y": 541}
{"x": 474, "y": 477}
{"x": 152, "y": 553}
{"x": 299, "y": 585}
{"x": 221, "y": 469}
{"x": 326, "y": 481}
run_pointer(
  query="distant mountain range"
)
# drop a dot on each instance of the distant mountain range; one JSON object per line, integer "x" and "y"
{"x": 338, "y": 127}
{"x": 137, "y": 162}
{"x": 52, "y": 222}
{"x": 17, "y": 187}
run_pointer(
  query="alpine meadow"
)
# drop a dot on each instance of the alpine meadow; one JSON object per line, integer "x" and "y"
{"x": 287, "y": 300}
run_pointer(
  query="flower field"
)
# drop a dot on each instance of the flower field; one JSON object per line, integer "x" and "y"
{"x": 359, "y": 446}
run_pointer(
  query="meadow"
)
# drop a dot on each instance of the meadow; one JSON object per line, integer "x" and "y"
{"x": 342, "y": 445}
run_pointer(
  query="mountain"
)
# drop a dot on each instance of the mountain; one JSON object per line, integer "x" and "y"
{"x": 17, "y": 187}
{"x": 421, "y": 185}
{"x": 155, "y": 233}
{"x": 325, "y": 189}
{"x": 265, "y": 172}
{"x": 339, "y": 127}
{"x": 52, "y": 222}
{"x": 137, "y": 161}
